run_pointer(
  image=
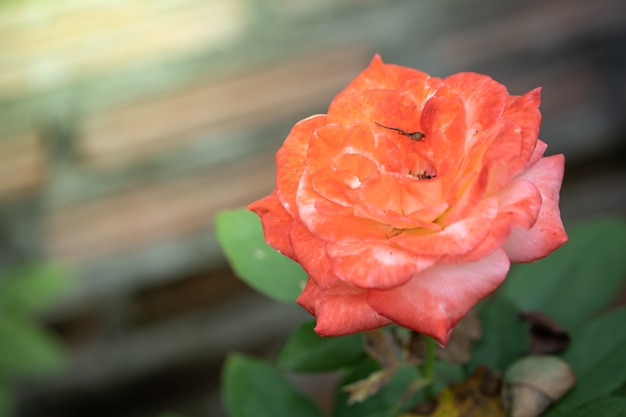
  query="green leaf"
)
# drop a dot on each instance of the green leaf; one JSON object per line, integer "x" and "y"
{"x": 597, "y": 355}
{"x": 579, "y": 279}
{"x": 305, "y": 351}
{"x": 6, "y": 401}
{"x": 597, "y": 340}
{"x": 253, "y": 388}
{"x": 240, "y": 234}
{"x": 27, "y": 350}
{"x": 505, "y": 336}
{"x": 447, "y": 374}
{"x": 602, "y": 407}
{"x": 31, "y": 289}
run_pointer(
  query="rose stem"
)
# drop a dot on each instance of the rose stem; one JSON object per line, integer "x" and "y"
{"x": 428, "y": 367}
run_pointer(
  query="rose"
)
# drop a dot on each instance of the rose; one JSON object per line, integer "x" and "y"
{"x": 408, "y": 201}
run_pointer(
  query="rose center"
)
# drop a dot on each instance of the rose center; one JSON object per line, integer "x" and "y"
{"x": 421, "y": 175}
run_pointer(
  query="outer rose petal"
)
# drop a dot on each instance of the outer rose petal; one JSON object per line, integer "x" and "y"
{"x": 521, "y": 201}
{"x": 538, "y": 152}
{"x": 291, "y": 160}
{"x": 310, "y": 252}
{"x": 276, "y": 223}
{"x": 340, "y": 310}
{"x": 381, "y": 75}
{"x": 376, "y": 265}
{"x": 524, "y": 111}
{"x": 484, "y": 98}
{"x": 498, "y": 233}
{"x": 547, "y": 234}
{"x": 435, "y": 300}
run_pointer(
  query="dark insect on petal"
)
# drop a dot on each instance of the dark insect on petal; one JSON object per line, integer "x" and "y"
{"x": 411, "y": 135}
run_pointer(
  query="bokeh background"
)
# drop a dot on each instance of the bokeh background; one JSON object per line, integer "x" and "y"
{"x": 125, "y": 126}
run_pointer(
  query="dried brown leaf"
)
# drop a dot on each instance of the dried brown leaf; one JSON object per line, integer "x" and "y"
{"x": 382, "y": 346}
{"x": 478, "y": 396}
{"x": 362, "y": 389}
{"x": 546, "y": 335}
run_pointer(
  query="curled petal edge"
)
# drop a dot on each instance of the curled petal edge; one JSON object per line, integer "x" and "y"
{"x": 547, "y": 233}
{"x": 340, "y": 310}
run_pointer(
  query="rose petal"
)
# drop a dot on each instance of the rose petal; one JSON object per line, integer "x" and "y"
{"x": 492, "y": 154}
{"x": 421, "y": 89}
{"x": 484, "y": 98}
{"x": 499, "y": 231}
{"x": 276, "y": 223}
{"x": 436, "y": 299}
{"x": 524, "y": 111}
{"x": 518, "y": 204}
{"x": 472, "y": 187}
{"x": 318, "y": 216}
{"x": 341, "y": 182}
{"x": 334, "y": 141}
{"x": 340, "y": 310}
{"x": 547, "y": 234}
{"x": 504, "y": 146}
{"x": 399, "y": 203}
{"x": 423, "y": 199}
{"x": 310, "y": 252}
{"x": 458, "y": 238}
{"x": 520, "y": 201}
{"x": 443, "y": 120}
{"x": 291, "y": 161}
{"x": 538, "y": 152}
{"x": 506, "y": 155}
{"x": 381, "y": 75}
{"x": 375, "y": 265}
{"x": 386, "y": 107}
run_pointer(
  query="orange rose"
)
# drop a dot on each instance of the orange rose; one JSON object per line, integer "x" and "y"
{"x": 408, "y": 201}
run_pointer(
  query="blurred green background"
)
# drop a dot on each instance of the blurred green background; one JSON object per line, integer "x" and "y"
{"x": 125, "y": 126}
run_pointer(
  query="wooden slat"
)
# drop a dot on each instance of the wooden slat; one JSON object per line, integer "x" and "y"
{"x": 243, "y": 101}
{"x": 46, "y": 43}
{"x": 537, "y": 26}
{"x": 145, "y": 215}
{"x": 22, "y": 164}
